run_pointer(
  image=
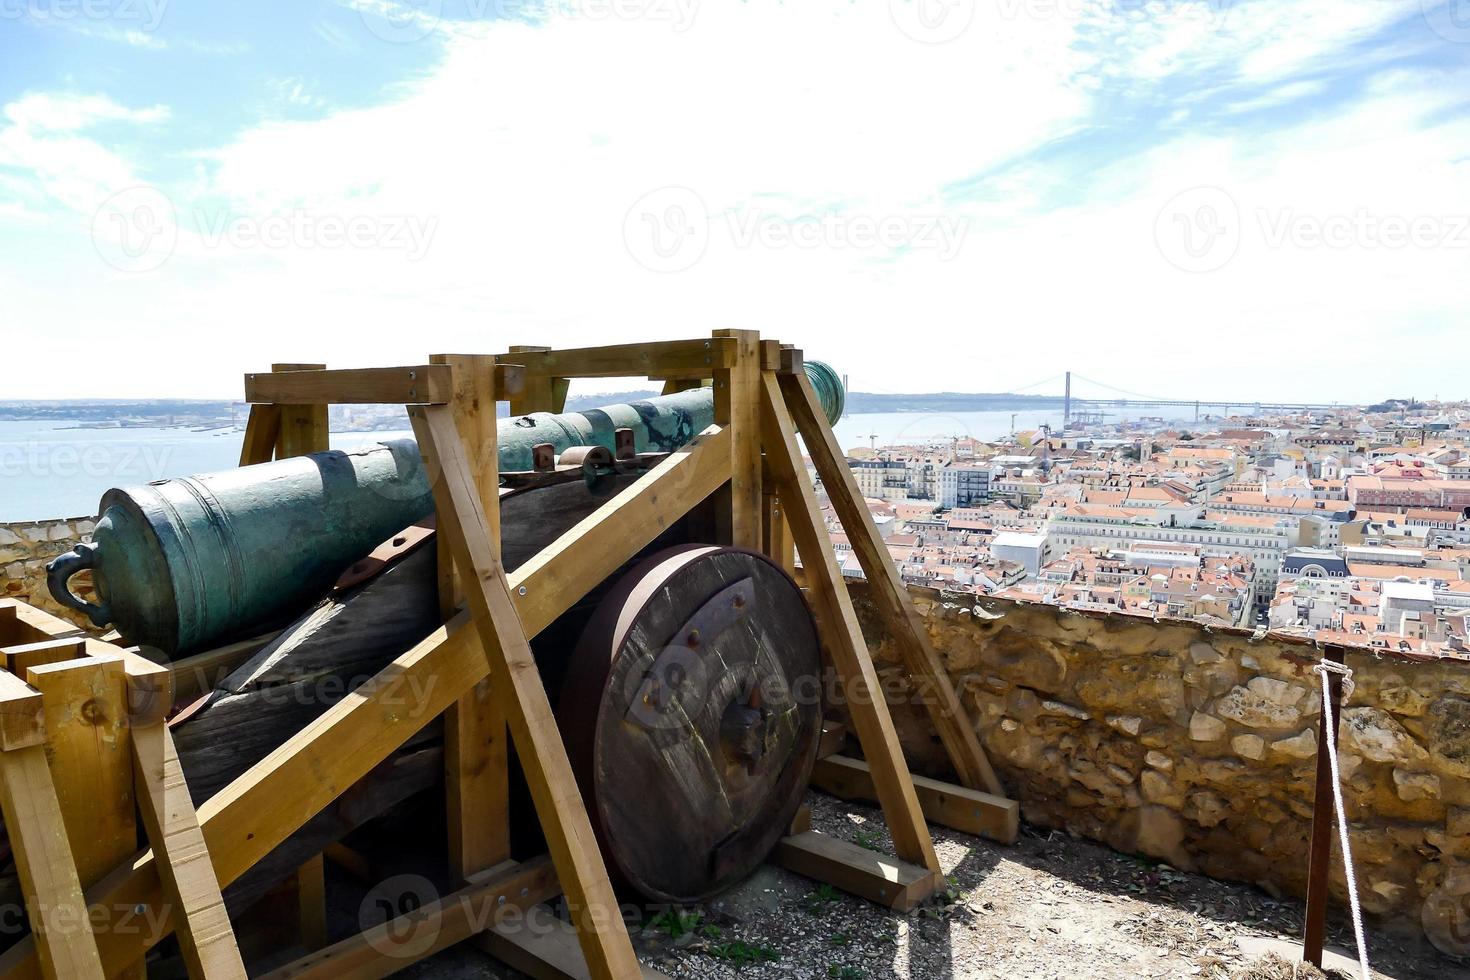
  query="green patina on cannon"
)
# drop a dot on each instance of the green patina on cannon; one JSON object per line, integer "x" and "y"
{"x": 181, "y": 563}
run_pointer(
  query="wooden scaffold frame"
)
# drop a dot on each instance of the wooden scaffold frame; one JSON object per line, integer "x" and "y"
{"x": 486, "y": 685}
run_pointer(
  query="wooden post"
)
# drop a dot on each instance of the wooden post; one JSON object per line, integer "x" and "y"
{"x": 517, "y": 686}
{"x": 475, "y": 737}
{"x": 1319, "y": 853}
{"x": 262, "y": 430}
{"x": 89, "y": 749}
{"x": 865, "y": 704}
{"x": 539, "y": 392}
{"x": 38, "y": 840}
{"x": 737, "y": 405}
{"x": 890, "y": 596}
{"x": 303, "y": 428}
{"x": 311, "y": 900}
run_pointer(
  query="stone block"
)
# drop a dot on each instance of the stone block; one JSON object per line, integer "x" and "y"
{"x": 1127, "y": 724}
{"x": 8, "y": 537}
{"x": 1302, "y": 745}
{"x": 1205, "y": 728}
{"x": 1377, "y": 737}
{"x": 1265, "y": 702}
{"x": 1248, "y": 746}
{"x": 1412, "y": 786}
{"x": 1158, "y": 760}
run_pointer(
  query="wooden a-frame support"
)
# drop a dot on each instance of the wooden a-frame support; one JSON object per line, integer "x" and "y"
{"x": 477, "y": 668}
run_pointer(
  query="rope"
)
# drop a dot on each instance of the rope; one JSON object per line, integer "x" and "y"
{"x": 1324, "y": 668}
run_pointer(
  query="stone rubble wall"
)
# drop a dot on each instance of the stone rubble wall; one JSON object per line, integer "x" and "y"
{"x": 1198, "y": 747}
{"x": 26, "y": 547}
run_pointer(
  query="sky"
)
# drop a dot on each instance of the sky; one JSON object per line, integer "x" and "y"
{"x": 1264, "y": 199}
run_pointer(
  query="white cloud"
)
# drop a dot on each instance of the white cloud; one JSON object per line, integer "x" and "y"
{"x": 526, "y": 146}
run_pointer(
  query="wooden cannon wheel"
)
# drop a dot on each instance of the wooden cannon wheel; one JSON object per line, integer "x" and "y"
{"x": 691, "y": 714}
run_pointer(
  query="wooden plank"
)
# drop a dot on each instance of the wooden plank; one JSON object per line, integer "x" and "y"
{"x": 413, "y": 384}
{"x": 43, "y": 861}
{"x": 262, "y": 431}
{"x": 22, "y": 721}
{"x": 518, "y": 689}
{"x": 802, "y": 822}
{"x": 23, "y": 656}
{"x": 21, "y": 622}
{"x": 197, "y": 674}
{"x": 891, "y": 598}
{"x": 89, "y": 749}
{"x": 538, "y": 391}
{"x": 206, "y": 938}
{"x": 958, "y": 807}
{"x": 833, "y": 740}
{"x": 492, "y": 896}
{"x": 477, "y": 784}
{"x": 675, "y": 385}
{"x": 543, "y": 947}
{"x": 304, "y": 428}
{"x": 599, "y": 544}
{"x": 737, "y": 405}
{"x": 663, "y": 359}
{"x": 311, "y": 901}
{"x": 879, "y": 878}
{"x": 246, "y": 821}
{"x": 352, "y": 861}
{"x": 843, "y": 637}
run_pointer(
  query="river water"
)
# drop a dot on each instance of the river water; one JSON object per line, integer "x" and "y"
{"x": 53, "y": 469}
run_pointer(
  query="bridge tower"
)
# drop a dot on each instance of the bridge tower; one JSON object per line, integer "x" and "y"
{"x": 1067, "y": 402}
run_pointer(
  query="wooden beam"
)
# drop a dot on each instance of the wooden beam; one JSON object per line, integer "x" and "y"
{"x": 538, "y": 392}
{"x": 957, "y": 807}
{"x": 879, "y": 878}
{"x": 381, "y": 950}
{"x": 738, "y": 406}
{"x": 89, "y": 749}
{"x": 664, "y": 359}
{"x": 866, "y": 708}
{"x": 38, "y": 841}
{"x": 518, "y": 689}
{"x": 476, "y": 767}
{"x": 543, "y": 947}
{"x": 262, "y": 431}
{"x": 245, "y": 821}
{"x": 197, "y": 674}
{"x": 414, "y": 384}
{"x": 890, "y": 596}
{"x": 599, "y": 544}
{"x": 834, "y": 738}
{"x": 304, "y": 427}
{"x": 311, "y": 903}
{"x": 24, "y": 623}
{"x": 206, "y": 938}
{"x": 23, "y": 656}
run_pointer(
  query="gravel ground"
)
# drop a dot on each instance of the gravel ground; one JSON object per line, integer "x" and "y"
{"x": 1050, "y": 906}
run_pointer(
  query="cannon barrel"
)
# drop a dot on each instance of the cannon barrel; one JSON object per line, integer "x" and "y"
{"x": 181, "y": 563}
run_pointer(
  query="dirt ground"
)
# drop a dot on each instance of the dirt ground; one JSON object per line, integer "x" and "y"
{"x": 1050, "y": 906}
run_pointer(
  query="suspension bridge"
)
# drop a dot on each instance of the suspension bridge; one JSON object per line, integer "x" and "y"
{"x": 1116, "y": 397}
